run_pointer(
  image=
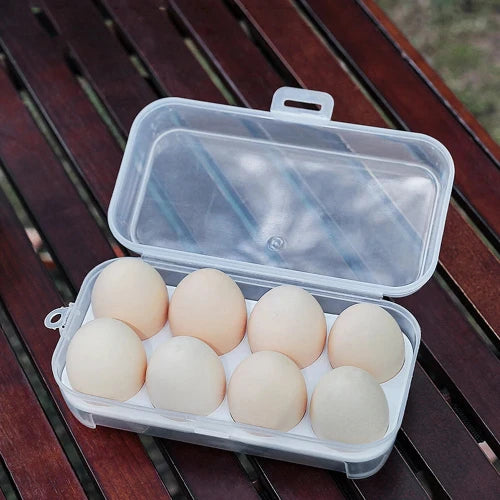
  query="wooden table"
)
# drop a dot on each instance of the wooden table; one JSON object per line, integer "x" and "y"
{"x": 83, "y": 70}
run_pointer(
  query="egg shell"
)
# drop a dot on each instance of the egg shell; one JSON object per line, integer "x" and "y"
{"x": 185, "y": 374}
{"x": 208, "y": 304}
{"x": 367, "y": 336}
{"x": 289, "y": 320}
{"x": 267, "y": 389}
{"x": 106, "y": 358}
{"x": 134, "y": 292}
{"x": 348, "y": 405}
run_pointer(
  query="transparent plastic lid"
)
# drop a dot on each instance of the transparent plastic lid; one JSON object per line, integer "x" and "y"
{"x": 286, "y": 195}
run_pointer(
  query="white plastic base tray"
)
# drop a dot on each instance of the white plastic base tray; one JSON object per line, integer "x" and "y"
{"x": 394, "y": 389}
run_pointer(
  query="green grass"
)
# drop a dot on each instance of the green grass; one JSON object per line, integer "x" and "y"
{"x": 461, "y": 40}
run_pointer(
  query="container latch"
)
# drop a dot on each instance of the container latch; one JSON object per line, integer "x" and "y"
{"x": 57, "y": 318}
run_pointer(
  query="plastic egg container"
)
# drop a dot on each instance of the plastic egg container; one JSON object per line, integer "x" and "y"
{"x": 349, "y": 213}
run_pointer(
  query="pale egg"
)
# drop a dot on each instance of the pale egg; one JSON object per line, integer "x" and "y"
{"x": 134, "y": 292}
{"x": 367, "y": 336}
{"x": 348, "y": 405}
{"x": 209, "y": 305}
{"x": 106, "y": 358}
{"x": 185, "y": 374}
{"x": 267, "y": 389}
{"x": 289, "y": 320}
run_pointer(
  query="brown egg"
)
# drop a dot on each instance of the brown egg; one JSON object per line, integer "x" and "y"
{"x": 367, "y": 336}
{"x": 134, "y": 292}
{"x": 185, "y": 374}
{"x": 209, "y": 305}
{"x": 348, "y": 405}
{"x": 267, "y": 389}
{"x": 289, "y": 320}
{"x": 106, "y": 358}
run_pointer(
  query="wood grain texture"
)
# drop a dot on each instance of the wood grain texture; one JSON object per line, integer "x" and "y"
{"x": 209, "y": 472}
{"x": 153, "y": 36}
{"x": 248, "y": 74}
{"x": 116, "y": 459}
{"x": 431, "y": 77}
{"x": 473, "y": 268}
{"x": 39, "y": 59}
{"x": 42, "y": 182}
{"x": 291, "y": 481}
{"x": 451, "y": 340}
{"x": 41, "y": 470}
{"x": 392, "y": 72}
{"x": 119, "y": 85}
{"x": 445, "y": 445}
{"x": 392, "y": 482}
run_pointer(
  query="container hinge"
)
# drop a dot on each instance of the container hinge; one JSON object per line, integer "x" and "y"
{"x": 58, "y": 318}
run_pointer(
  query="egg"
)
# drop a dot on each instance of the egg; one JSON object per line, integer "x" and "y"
{"x": 106, "y": 358}
{"x": 185, "y": 374}
{"x": 267, "y": 389}
{"x": 289, "y": 320}
{"x": 134, "y": 292}
{"x": 367, "y": 336}
{"x": 209, "y": 305}
{"x": 348, "y": 405}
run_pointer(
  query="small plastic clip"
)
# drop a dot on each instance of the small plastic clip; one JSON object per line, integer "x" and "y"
{"x": 57, "y": 318}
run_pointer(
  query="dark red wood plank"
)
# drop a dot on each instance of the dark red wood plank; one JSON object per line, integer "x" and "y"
{"x": 154, "y": 37}
{"x": 253, "y": 88}
{"x": 40, "y": 61}
{"x": 218, "y": 474}
{"x": 43, "y": 184}
{"x": 431, "y": 76}
{"x": 473, "y": 268}
{"x": 121, "y": 88}
{"x": 402, "y": 87}
{"x": 292, "y": 481}
{"x": 32, "y": 453}
{"x": 451, "y": 340}
{"x": 116, "y": 459}
{"x": 445, "y": 445}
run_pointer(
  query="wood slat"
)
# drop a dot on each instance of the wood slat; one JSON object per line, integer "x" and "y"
{"x": 116, "y": 459}
{"x": 291, "y": 481}
{"x": 253, "y": 89}
{"x": 314, "y": 66}
{"x": 43, "y": 184}
{"x": 39, "y": 60}
{"x": 40, "y": 471}
{"x": 103, "y": 77}
{"x": 445, "y": 445}
{"x": 431, "y": 76}
{"x": 154, "y": 38}
{"x": 402, "y": 87}
{"x": 218, "y": 474}
{"x": 451, "y": 340}
{"x": 121, "y": 88}
{"x": 474, "y": 270}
